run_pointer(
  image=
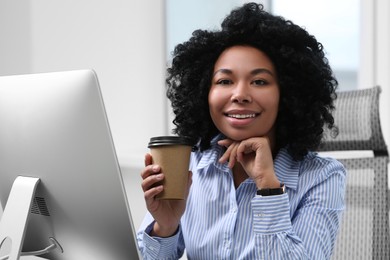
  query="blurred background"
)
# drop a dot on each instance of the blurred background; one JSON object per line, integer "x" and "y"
{"x": 129, "y": 43}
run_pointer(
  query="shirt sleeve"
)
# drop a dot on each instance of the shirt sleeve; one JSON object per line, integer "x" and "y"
{"x": 169, "y": 248}
{"x": 310, "y": 233}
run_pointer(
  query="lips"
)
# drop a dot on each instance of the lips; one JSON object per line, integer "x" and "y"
{"x": 241, "y": 118}
{"x": 241, "y": 114}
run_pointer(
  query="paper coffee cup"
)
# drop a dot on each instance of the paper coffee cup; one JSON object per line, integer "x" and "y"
{"x": 172, "y": 153}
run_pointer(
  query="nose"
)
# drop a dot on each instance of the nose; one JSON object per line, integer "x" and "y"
{"x": 241, "y": 94}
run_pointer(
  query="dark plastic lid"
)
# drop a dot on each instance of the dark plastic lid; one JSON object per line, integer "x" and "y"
{"x": 168, "y": 140}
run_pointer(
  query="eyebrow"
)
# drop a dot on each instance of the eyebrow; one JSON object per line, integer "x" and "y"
{"x": 253, "y": 72}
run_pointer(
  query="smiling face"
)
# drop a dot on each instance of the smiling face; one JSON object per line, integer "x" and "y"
{"x": 244, "y": 94}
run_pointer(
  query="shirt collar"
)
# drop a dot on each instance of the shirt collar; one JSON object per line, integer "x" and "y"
{"x": 212, "y": 155}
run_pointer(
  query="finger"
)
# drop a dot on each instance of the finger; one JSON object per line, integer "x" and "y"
{"x": 233, "y": 155}
{"x": 242, "y": 149}
{"x": 148, "y": 159}
{"x": 152, "y": 181}
{"x": 150, "y": 170}
{"x": 225, "y": 142}
{"x": 247, "y": 147}
{"x": 151, "y": 175}
{"x": 226, "y": 155}
{"x": 151, "y": 194}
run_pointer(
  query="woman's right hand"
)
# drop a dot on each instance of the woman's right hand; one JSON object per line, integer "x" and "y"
{"x": 166, "y": 213}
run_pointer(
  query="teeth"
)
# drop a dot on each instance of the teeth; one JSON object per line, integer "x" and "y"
{"x": 242, "y": 116}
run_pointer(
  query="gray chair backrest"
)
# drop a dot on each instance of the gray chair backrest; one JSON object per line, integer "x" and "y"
{"x": 364, "y": 232}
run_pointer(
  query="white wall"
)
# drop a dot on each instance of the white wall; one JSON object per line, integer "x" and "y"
{"x": 382, "y": 61}
{"x": 122, "y": 40}
{"x": 15, "y": 44}
{"x": 375, "y": 54}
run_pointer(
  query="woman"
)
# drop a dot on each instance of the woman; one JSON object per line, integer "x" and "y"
{"x": 255, "y": 97}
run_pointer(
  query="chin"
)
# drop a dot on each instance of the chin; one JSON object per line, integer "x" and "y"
{"x": 238, "y": 136}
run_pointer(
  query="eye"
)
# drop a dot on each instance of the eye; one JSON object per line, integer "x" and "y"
{"x": 259, "y": 82}
{"x": 224, "y": 82}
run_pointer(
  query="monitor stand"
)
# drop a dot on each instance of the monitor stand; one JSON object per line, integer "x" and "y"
{"x": 14, "y": 221}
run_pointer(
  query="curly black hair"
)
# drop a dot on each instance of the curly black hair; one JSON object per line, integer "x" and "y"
{"x": 306, "y": 81}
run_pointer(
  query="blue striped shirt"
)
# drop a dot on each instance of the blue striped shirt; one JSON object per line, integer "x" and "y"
{"x": 222, "y": 222}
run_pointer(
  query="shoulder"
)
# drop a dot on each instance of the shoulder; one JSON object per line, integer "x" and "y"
{"x": 323, "y": 167}
{"x": 312, "y": 170}
{"x": 323, "y": 179}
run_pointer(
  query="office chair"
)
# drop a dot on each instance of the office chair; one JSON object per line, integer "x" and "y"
{"x": 364, "y": 231}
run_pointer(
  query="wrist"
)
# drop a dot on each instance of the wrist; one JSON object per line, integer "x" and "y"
{"x": 267, "y": 183}
{"x": 272, "y": 191}
{"x": 159, "y": 231}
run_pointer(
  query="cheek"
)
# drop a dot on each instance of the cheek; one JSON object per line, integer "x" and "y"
{"x": 274, "y": 104}
{"x": 270, "y": 105}
{"x": 215, "y": 100}
{"x": 216, "y": 106}
{"x": 273, "y": 101}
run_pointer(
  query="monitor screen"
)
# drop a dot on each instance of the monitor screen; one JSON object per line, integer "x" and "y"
{"x": 53, "y": 126}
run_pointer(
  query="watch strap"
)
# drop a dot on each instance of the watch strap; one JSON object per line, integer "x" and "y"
{"x": 270, "y": 192}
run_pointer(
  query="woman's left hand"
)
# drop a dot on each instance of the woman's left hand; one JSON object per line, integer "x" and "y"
{"x": 255, "y": 156}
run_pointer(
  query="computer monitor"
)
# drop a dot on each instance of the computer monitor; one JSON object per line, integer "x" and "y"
{"x": 54, "y": 133}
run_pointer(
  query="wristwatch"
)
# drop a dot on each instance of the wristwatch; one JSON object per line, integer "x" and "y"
{"x": 270, "y": 192}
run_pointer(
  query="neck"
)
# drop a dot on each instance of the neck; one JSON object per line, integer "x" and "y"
{"x": 239, "y": 175}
